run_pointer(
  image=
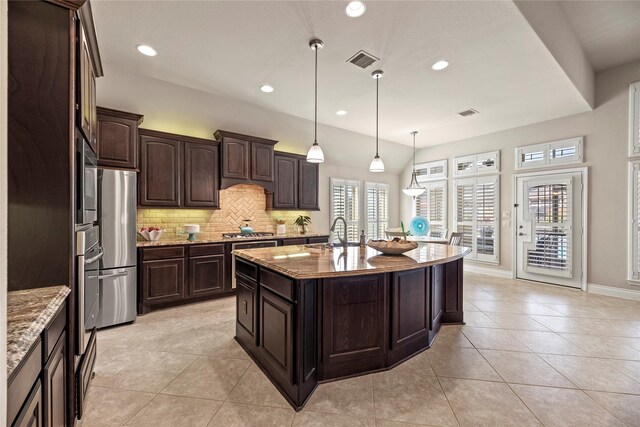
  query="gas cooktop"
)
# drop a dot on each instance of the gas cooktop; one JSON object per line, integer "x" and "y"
{"x": 246, "y": 235}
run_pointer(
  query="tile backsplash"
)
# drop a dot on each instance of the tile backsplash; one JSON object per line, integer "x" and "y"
{"x": 236, "y": 204}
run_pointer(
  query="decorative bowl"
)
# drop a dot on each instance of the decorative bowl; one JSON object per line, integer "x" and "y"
{"x": 152, "y": 235}
{"x": 392, "y": 247}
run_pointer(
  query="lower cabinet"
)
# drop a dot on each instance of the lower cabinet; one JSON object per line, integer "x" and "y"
{"x": 55, "y": 393}
{"x": 31, "y": 414}
{"x": 171, "y": 275}
{"x": 276, "y": 332}
{"x": 436, "y": 291}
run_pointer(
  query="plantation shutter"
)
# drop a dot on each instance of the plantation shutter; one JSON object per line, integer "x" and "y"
{"x": 345, "y": 196}
{"x": 377, "y": 210}
{"x": 635, "y": 222}
{"x": 634, "y": 119}
{"x": 432, "y": 204}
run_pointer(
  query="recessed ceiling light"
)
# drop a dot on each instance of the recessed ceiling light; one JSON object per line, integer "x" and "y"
{"x": 440, "y": 65}
{"x": 355, "y": 9}
{"x": 341, "y": 112}
{"x": 266, "y": 88}
{"x": 146, "y": 50}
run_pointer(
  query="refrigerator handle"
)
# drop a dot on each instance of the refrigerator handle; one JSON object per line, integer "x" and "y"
{"x": 108, "y": 276}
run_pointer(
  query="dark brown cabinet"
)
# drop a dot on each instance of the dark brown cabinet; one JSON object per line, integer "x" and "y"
{"x": 296, "y": 183}
{"x": 276, "y": 332}
{"x": 177, "y": 171}
{"x": 117, "y": 138}
{"x": 31, "y": 414}
{"x": 245, "y": 307}
{"x": 86, "y": 104}
{"x": 245, "y": 159}
{"x": 295, "y": 241}
{"x": 55, "y": 393}
{"x": 164, "y": 280}
{"x": 206, "y": 275}
{"x": 200, "y": 175}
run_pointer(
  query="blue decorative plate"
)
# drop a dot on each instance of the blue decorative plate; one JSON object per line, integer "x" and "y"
{"x": 419, "y": 226}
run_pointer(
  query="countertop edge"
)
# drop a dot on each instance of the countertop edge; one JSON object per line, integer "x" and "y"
{"x": 327, "y": 275}
{"x": 17, "y": 349}
{"x": 204, "y": 241}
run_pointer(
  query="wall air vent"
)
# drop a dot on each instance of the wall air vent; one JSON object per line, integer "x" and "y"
{"x": 469, "y": 112}
{"x": 363, "y": 59}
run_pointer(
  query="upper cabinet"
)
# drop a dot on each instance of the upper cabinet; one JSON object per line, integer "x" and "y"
{"x": 177, "y": 171}
{"x": 89, "y": 67}
{"x": 246, "y": 160}
{"x": 296, "y": 183}
{"x": 117, "y": 138}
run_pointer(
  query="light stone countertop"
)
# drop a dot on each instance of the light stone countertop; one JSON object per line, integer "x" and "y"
{"x": 312, "y": 261}
{"x": 217, "y": 238}
{"x": 28, "y": 312}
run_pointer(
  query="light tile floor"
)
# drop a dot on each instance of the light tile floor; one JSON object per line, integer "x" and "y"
{"x": 530, "y": 354}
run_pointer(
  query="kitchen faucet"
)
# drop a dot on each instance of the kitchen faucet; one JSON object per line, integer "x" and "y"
{"x": 344, "y": 242}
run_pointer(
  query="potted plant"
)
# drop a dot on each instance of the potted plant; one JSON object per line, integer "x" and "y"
{"x": 280, "y": 227}
{"x": 302, "y": 222}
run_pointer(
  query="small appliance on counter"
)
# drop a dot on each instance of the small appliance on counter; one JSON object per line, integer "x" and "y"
{"x": 247, "y": 229}
{"x": 118, "y": 271}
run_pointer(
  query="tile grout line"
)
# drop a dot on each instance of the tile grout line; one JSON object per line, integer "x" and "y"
{"x": 443, "y": 392}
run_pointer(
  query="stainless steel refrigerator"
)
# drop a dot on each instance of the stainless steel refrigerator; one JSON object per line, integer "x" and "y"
{"x": 117, "y": 221}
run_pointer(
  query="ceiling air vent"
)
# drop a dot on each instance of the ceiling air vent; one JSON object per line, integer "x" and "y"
{"x": 469, "y": 112}
{"x": 362, "y": 59}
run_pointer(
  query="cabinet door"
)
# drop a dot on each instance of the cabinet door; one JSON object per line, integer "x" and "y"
{"x": 163, "y": 281}
{"x": 85, "y": 74}
{"x": 437, "y": 297}
{"x": 308, "y": 185}
{"x": 201, "y": 175}
{"x": 55, "y": 393}
{"x": 291, "y": 242}
{"x": 409, "y": 307}
{"x": 276, "y": 333}
{"x": 245, "y": 304}
{"x": 31, "y": 414}
{"x": 206, "y": 275}
{"x": 235, "y": 158}
{"x": 117, "y": 142}
{"x": 93, "y": 114}
{"x": 160, "y": 170}
{"x": 285, "y": 195}
{"x": 261, "y": 162}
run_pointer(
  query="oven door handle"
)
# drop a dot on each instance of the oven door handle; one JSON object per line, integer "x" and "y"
{"x": 95, "y": 258}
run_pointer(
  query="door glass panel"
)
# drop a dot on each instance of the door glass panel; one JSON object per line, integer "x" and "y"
{"x": 549, "y": 210}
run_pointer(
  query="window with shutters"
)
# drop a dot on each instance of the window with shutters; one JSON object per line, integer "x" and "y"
{"x": 477, "y": 164}
{"x": 345, "y": 202}
{"x": 634, "y": 119}
{"x": 431, "y": 170}
{"x": 476, "y": 215}
{"x": 550, "y": 153}
{"x": 376, "y": 210}
{"x": 634, "y": 221}
{"x": 432, "y": 204}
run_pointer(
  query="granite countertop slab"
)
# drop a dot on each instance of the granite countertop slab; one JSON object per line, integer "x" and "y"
{"x": 218, "y": 238}
{"x": 316, "y": 261}
{"x": 28, "y": 312}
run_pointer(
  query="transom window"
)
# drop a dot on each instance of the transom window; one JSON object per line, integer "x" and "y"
{"x": 550, "y": 153}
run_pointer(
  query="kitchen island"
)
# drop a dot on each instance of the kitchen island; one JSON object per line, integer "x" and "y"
{"x": 308, "y": 314}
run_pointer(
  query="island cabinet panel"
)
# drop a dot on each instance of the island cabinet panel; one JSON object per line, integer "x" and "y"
{"x": 409, "y": 312}
{"x": 355, "y": 325}
{"x": 453, "y": 301}
{"x": 206, "y": 275}
{"x": 164, "y": 280}
{"x": 201, "y": 175}
{"x": 276, "y": 333}
{"x": 245, "y": 307}
{"x": 436, "y": 305}
{"x": 160, "y": 172}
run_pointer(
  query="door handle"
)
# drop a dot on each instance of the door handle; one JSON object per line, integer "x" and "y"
{"x": 521, "y": 234}
{"x": 107, "y": 276}
{"x": 95, "y": 258}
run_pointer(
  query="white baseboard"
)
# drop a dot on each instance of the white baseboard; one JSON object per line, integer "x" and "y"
{"x": 631, "y": 294}
{"x": 489, "y": 271}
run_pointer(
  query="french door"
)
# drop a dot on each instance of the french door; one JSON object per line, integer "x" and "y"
{"x": 549, "y": 228}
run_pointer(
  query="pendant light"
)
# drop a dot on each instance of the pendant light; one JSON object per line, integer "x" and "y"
{"x": 315, "y": 154}
{"x": 376, "y": 164}
{"x": 414, "y": 188}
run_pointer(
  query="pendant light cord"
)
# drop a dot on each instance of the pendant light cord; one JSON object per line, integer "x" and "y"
{"x": 414, "y": 151}
{"x": 377, "y": 81}
{"x": 315, "y": 129}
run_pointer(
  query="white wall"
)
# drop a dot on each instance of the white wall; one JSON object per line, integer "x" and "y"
{"x": 178, "y": 109}
{"x": 3, "y": 209}
{"x": 605, "y": 151}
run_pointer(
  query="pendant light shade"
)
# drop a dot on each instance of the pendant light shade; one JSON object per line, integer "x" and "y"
{"x": 315, "y": 154}
{"x": 414, "y": 189}
{"x": 377, "y": 165}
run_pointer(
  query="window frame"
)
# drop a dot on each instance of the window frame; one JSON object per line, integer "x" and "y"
{"x": 633, "y": 249}
{"x": 475, "y": 181}
{"x": 475, "y": 169}
{"x": 546, "y": 148}
{"x": 344, "y": 182}
{"x": 365, "y": 216}
{"x": 424, "y": 173}
{"x": 634, "y": 119}
{"x": 428, "y": 188}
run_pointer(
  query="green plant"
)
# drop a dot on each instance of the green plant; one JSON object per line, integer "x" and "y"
{"x": 280, "y": 221}
{"x": 302, "y": 222}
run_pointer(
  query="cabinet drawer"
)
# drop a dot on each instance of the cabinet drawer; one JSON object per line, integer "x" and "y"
{"x": 22, "y": 380}
{"x": 296, "y": 241}
{"x": 323, "y": 239}
{"x": 149, "y": 254}
{"x": 277, "y": 283}
{"x": 247, "y": 269}
{"x": 52, "y": 333}
{"x": 200, "y": 250}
